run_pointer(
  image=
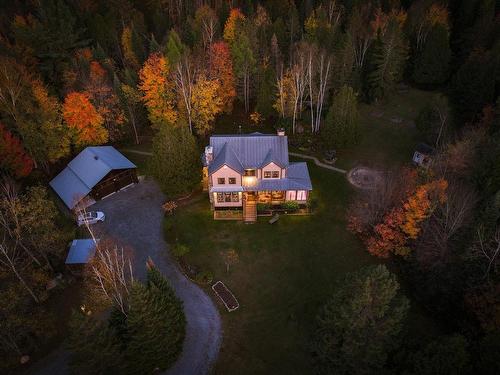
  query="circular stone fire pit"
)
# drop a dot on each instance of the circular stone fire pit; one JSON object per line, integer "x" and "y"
{"x": 364, "y": 178}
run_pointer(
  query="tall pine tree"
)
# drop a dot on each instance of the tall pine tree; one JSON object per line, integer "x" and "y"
{"x": 156, "y": 325}
{"x": 175, "y": 162}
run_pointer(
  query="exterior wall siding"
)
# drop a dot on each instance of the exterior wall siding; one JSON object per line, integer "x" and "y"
{"x": 271, "y": 167}
{"x": 225, "y": 172}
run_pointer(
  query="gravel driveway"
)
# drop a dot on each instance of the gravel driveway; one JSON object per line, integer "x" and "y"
{"x": 134, "y": 217}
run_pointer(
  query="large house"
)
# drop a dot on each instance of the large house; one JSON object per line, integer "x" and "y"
{"x": 243, "y": 170}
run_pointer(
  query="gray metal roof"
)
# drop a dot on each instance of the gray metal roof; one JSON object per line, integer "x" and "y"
{"x": 248, "y": 150}
{"x": 297, "y": 178}
{"x": 81, "y": 251}
{"x": 84, "y": 172}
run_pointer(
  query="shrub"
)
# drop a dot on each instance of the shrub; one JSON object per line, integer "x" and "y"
{"x": 263, "y": 207}
{"x": 204, "y": 277}
{"x": 290, "y": 206}
{"x": 179, "y": 250}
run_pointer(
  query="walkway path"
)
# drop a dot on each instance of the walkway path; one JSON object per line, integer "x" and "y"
{"x": 318, "y": 163}
{"x": 147, "y": 153}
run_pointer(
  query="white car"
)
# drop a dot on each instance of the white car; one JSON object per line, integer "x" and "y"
{"x": 90, "y": 217}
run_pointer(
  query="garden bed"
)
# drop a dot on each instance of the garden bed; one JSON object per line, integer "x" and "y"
{"x": 225, "y": 295}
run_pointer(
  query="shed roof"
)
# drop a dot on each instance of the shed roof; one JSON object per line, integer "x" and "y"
{"x": 425, "y": 149}
{"x": 248, "y": 150}
{"x": 81, "y": 251}
{"x": 84, "y": 172}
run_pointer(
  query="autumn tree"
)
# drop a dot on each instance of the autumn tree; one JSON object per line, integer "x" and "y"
{"x": 102, "y": 95}
{"x": 221, "y": 68}
{"x": 13, "y": 157}
{"x": 84, "y": 120}
{"x": 403, "y": 223}
{"x": 27, "y": 107}
{"x": 158, "y": 90}
{"x": 206, "y": 104}
{"x": 205, "y": 26}
{"x": 231, "y": 24}
{"x": 360, "y": 323}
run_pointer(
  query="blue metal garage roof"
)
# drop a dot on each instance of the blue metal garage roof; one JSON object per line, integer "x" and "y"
{"x": 85, "y": 171}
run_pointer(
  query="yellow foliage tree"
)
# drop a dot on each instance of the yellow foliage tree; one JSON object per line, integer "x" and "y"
{"x": 230, "y": 27}
{"x": 128, "y": 49}
{"x": 419, "y": 206}
{"x": 158, "y": 90}
{"x": 206, "y": 104}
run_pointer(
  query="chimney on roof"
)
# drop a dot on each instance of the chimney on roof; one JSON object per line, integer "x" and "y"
{"x": 209, "y": 154}
{"x": 281, "y": 132}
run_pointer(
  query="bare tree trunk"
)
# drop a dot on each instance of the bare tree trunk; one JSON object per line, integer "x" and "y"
{"x": 9, "y": 261}
{"x": 184, "y": 80}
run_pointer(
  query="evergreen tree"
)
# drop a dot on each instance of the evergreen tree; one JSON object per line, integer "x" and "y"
{"x": 175, "y": 48}
{"x": 447, "y": 355}
{"x": 95, "y": 348}
{"x": 342, "y": 121}
{"x": 387, "y": 60}
{"x": 473, "y": 86}
{"x": 432, "y": 64}
{"x": 175, "y": 162}
{"x": 360, "y": 323}
{"x": 52, "y": 36}
{"x": 266, "y": 92}
{"x": 156, "y": 325}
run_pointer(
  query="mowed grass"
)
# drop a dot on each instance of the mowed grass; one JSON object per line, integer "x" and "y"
{"x": 384, "y": 142}
{"x": 285, "y": 272}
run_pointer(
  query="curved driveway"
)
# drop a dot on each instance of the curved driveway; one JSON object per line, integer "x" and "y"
{"x": 134, "y": 217}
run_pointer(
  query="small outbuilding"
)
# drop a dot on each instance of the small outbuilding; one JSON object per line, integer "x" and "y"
{"x": 423, "y": 155}
{"x": 94, "y": 174}
{"x": 81, "y": 251}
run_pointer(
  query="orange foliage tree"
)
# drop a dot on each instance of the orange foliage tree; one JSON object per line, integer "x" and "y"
{"x": 13, "y": 157}
{"x": 158, "y": 90}
{"x": 84, "y": 120}
{"x": 221, "y": 68}
{"x": 402, "y": 223}
{"x": 105, "y": 100}
{"x": 230, "y": 26}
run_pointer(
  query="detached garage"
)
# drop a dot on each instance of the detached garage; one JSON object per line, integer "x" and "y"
{"x": 92, "y": 175}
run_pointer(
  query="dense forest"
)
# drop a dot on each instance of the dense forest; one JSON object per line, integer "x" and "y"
{"x": 75, "y": 73}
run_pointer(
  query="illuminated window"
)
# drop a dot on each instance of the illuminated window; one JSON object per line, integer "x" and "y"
{"x": 276, "y": 174}
{"x": 267, "y": 174}
{"x": 250, "y": 172}
{"x": 220, "y": 198}
{"x": 221, "y": 180}
{"x": 232, "y": 180}
{"x": 235, "y": 197}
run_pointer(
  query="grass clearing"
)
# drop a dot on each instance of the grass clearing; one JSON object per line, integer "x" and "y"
{"x": 284, "y": 273}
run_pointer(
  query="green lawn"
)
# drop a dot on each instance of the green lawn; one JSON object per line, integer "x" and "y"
{"x": 384, "y": 141}
{"x": 285, "y": 272}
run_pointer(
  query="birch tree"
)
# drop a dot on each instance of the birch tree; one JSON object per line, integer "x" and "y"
{"x": 109, "y": 275}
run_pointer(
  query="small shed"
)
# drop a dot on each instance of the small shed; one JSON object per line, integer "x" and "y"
{"x": 81, "y": 251}
{"x": 93, "y": 174}
{"x": 423, "y": 155}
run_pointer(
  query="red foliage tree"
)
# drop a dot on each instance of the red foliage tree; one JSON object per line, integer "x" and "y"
{"x": 221, "y": 68}
{"x": 13, "y": 157}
